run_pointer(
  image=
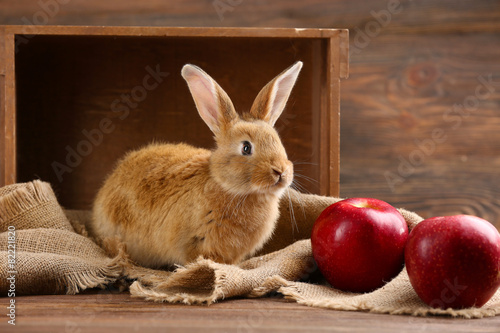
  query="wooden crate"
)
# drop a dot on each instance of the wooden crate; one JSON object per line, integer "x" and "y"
{"x": 75, "y": 99}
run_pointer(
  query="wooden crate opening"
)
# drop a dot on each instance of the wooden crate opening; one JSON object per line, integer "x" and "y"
{"x": 85, "y": 97}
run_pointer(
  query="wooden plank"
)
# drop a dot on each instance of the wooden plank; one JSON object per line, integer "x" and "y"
{"x": 176, "y": 31}
{"x": 333, "y": 118}
{"x": 7, "y": 109}
{"x": 421, "y": 124}
{"x": 99, "y": 311}
{"x": 324, "y": 135}
{"x": 443, "y": 186}
{"x": 2, "y": 106}
{"x": 343, "y": 51}
{"x": 426, "y": 16}
{"x": 329, "y": 117}
{"x": 336, "y": 50}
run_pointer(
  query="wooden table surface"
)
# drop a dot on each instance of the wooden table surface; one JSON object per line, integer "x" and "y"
{"x": 100, "y": 311}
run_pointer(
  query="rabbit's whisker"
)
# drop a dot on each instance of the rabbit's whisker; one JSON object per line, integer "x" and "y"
{"x": 305, "y": 163}
{"x": 296, "y": 192}
{"x": 310, "y": 179}
{"x": 292, "y": 213}
{"x": 299, "y": 187}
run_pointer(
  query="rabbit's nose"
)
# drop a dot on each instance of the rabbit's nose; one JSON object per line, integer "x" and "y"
{"x": 279, "y": 174}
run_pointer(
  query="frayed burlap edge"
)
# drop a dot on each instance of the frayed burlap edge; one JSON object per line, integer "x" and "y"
{"x": 19, "y": 198}
{"x": 174, "y": 289}
{"x": 31, "y": 205}
{"x": 114, "y": 270}
{"x": 293, "y": 291}
{"x": 78, "y": 281}
{"x": 23, "y": 201}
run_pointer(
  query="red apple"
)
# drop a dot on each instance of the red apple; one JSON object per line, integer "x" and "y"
{"x": 454, "y": 261}
{"x": 358, "y": 243}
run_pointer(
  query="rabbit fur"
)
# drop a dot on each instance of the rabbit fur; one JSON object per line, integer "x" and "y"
{"x": 171, "y": 203}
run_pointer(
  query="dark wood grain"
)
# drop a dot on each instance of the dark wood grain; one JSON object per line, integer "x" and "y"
{"x": 105, "y": 312}
{"x": 426, "y": 16}
{"x": 393, "y": 111}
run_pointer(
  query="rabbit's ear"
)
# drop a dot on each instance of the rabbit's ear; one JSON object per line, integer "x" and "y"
{"x": 213, "y": 104}
{"x": 271, "y": 100}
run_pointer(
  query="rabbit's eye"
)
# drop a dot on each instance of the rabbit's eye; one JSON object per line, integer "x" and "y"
{"x": 246, "y": 149}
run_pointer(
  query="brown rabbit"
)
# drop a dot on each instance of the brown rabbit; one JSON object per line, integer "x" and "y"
{"x": 170, "y": 203}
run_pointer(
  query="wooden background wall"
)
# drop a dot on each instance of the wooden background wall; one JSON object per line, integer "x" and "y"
{"x": 420, "y": 112}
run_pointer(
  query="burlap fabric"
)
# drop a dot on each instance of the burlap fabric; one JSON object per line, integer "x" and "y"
{"x": 46, "y": 254}
{"x": 54, "y": 254}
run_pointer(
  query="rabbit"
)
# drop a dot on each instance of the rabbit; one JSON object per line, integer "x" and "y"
{"x": 172, "y": 203}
